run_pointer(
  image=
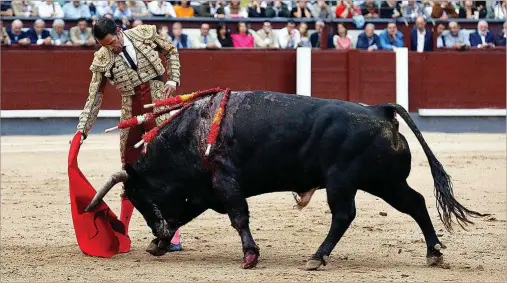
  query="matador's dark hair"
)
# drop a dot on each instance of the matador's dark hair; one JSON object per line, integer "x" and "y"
{"x": 103, "y": 27}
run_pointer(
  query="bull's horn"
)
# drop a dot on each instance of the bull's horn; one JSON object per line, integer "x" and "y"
{"x": 117, "y": 177}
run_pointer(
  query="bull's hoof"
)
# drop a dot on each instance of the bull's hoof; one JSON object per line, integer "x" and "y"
{"x": 154, "y": 250}
{"x": 250, "y": 261}
{"x": 436, "y": 258}
{"x": 314, "y": 264}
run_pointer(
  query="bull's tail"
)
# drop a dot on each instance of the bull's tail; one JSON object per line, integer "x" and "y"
{"x": 447, "y": 205}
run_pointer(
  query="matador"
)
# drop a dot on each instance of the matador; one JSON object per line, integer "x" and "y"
{"x": 130, "y": 60}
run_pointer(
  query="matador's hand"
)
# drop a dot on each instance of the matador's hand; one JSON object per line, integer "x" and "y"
{"x": 169, "y": 90}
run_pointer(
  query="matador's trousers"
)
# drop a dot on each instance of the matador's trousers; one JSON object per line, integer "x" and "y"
{"x": 133, "y": 106}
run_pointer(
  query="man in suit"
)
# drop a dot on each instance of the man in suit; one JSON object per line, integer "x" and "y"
{"x": 38, "y": 34}
{"x": 368, "y": 40}
{"x": 130, "y": 60}
{"x": 81, "y": 34}
{"x": 205, "y": 39}
{"x": 58, "y": 34}
{"x": 178, "y": 38}
{"x": 502, "y": 36}
{"x": 315, "y": 37}
{"x": 16, "y": 34}
{"x": 482, "y": 37}
{"x": 421, "y": 39}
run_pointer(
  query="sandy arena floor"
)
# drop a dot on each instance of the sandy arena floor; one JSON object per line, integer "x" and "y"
{"x": 38, "y": 242}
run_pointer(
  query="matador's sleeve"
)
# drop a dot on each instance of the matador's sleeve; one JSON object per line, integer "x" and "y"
{"x": 173, "y": 58}
{"x": 92, "y": 106}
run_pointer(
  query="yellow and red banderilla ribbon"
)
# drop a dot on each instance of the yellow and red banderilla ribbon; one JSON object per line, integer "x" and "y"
{"x": 217, "y": 121}
{"x": 180, "y": 102}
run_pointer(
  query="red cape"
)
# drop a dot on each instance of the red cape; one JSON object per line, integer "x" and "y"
{"x": 98, "y": 232}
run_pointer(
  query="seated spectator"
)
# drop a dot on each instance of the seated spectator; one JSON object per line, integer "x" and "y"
{"x": 178, "y": 38}
{"x": 184, "y": 10}
{"x": 472, "y": 10}
{"x": 301, "y": 10}
{"x": 138, "y": 8}
{"x": 205, "y": 39}
{"x": 137, "y": 23}
{"x": 315, "y": 37}
{"x": 76, "y": 10}
{"x": 234, "y": 10}
{"x": 16, "y": 34}
{"x": 347, "y": 10}
{"x": 414, "y": 9}
{"x": 100, "y": 8}
{"x": 454, "y": 38}
{"x": 443, "y": 10}
{"x": 5, "y": 39}
{"x": 421, "y": 39}
{"x": 108, "y": 15}
{"x": 82, "y": 34}
{"x": 206, "y": 9}
{"x": 502, "y": 36}
{"x": 440, "y": 28}
{"x": 6, "y": 9}
{"x": 38, "y": 34}
{"x": 369, "y": 9}
{"x": 268, "y": 37}
{"x": 289, "y": 36}
{"x": 163, "y": 31}
{"x": 482, "y": 37}
{"x": 305, "y": 39}
{"x": 341, "y": 40}
{"x": 242, "y": 39}
{"x": 390, "y": 9}
{"x": 500, "y": 10}
{"x": 161, "y": 8}
{"x": 122, "y": 11}
{"x": 368, "y": 40}
{"x": 391, "y": 38}
{"x": 224, "y": 36}
{"x": 277, "y": 9}
{"x": 257, "y": 9}
{"x": 321, "y": 10}
{"x": 58, "y": 34}
{"x": 218, "y": 11}
{"x": 24, "y": 8}
{"x": 50, "y": 9}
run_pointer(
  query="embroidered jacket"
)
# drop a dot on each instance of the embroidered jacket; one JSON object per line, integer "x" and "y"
{"x": 107, "y": 65}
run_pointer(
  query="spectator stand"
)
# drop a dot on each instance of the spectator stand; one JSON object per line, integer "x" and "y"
{"x": 191, "y": 25}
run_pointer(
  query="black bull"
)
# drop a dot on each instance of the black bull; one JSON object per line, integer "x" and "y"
{"x": 273, "y": 142}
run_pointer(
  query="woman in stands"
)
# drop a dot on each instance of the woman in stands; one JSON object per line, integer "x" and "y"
{"x": 305, "y": 39}
{"x": 224, "y": 36}
{"x": 341, "y": 40}
{"x": 242, "y": 39}
{"x": 184, "y": 10}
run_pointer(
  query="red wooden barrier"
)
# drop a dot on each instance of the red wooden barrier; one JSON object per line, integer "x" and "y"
{"x": 360, "y": 76}
{"x": 58, "y": 78}
{"x": 457, "y": 80}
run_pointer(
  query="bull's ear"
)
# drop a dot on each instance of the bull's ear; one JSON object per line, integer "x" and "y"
{"x": 130, "y": 170}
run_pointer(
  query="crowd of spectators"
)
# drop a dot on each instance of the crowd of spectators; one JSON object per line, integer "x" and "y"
{"x": 130, "y": 13}
{"x": 437, "y": 9}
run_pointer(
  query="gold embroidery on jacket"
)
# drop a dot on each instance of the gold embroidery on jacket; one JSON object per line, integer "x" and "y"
{"x": 92, "y": 105}
{"x": 126, "y": 112}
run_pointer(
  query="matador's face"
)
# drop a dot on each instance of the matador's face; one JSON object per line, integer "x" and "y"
{"x": 113, "y": 42}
